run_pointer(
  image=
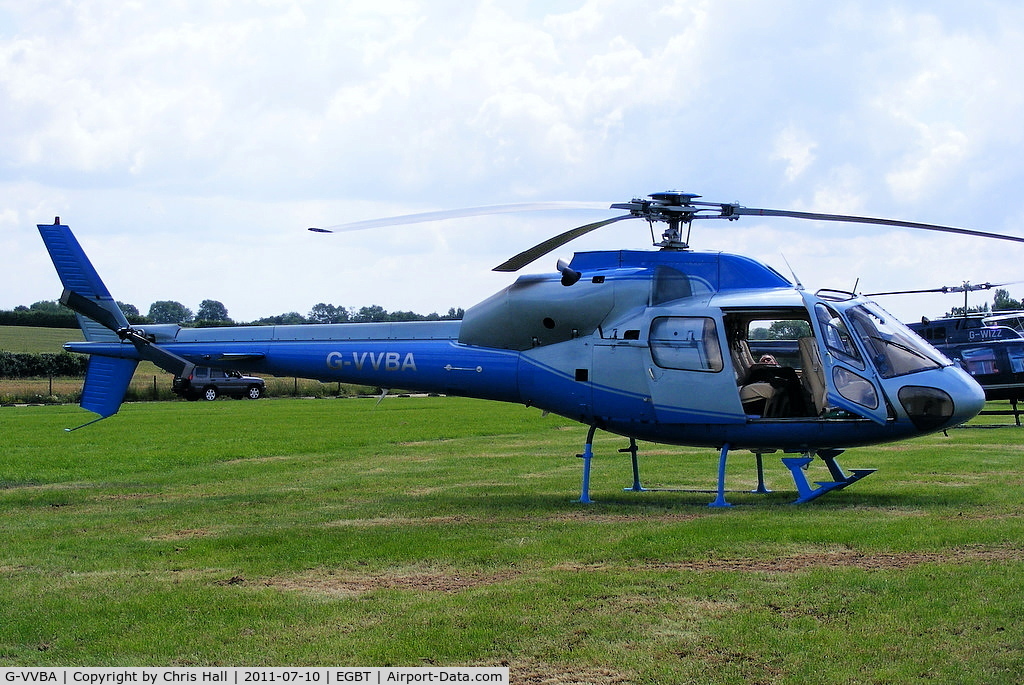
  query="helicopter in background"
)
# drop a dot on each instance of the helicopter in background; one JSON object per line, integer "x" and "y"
{"x": 659, "y": 346}
{"x": 989, "y": 346}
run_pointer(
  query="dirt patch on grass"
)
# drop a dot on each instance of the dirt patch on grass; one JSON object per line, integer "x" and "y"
{"x": 844, "y": 559}
{"x": 352, "y": 584}
{"x": 536, "y": 673}
{"x": 184, "y": 534}
{"x": 399, "y": 521}
{"x": 258, "y": 460}
{"x": 588, "y": 517}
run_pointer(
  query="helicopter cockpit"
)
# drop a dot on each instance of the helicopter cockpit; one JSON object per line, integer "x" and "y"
{"x": 862, "y": 347}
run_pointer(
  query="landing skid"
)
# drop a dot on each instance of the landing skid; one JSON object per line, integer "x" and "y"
{"x": 840, "y": 480}
{"x": 796, "y": 465}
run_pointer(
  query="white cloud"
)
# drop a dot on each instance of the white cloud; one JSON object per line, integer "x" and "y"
{"x": 229, "y": 127}
{"x": 795, "y": 148}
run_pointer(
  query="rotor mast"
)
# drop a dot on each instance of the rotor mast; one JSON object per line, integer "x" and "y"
{"x": 674, "y": 207}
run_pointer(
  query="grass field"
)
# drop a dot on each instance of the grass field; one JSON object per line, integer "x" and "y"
{"x": 442, "y": 531}
{"x": 37, "y": 339}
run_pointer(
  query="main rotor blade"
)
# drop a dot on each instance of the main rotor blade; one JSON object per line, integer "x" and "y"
{"x": 752, "y": 211}
{"x": 460, "y": 213}
{"x": 523, "y": 258}
{"x": 908, "y": 292}
{"x": 968, "y": 287}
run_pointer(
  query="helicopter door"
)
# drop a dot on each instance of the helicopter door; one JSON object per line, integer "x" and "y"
{"x": 834, "y": 372}
{"x": 619, "y": 390}
{"x": 686, "y": 374}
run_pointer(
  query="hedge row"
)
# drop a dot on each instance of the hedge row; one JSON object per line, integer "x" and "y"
{"x": 33, "y": 365}
{"x": 36, "y": 318}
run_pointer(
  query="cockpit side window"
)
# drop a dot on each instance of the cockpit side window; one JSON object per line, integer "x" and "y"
{"x": 837, "y": 336}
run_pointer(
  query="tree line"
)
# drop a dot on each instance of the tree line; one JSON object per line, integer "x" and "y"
{"x": 52, "y": 314}
{"x": 1001, "y": 302}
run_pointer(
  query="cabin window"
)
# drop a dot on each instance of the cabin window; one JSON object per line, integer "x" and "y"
{"x": 669, "y": 284}
{"x": 1015, "y": 353}
{"x": 776, "y": 336}
{"x": 980, "y": 360}
{"x": 688, "y": 343}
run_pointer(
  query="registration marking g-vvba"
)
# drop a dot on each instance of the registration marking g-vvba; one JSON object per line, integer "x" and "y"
{"x": 386, "y": 361}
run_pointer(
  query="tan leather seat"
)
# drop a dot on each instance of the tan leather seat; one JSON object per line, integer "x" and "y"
{"x": 753, "y": 396}
{"x": 812, "y": 375}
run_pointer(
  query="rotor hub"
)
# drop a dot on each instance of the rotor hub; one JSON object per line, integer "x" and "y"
{"x": 673, "y": 207}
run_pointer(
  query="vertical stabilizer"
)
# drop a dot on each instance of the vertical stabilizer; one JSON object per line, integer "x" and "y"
{"x": 84, "y": 291}
{"x": 101, "y": 320}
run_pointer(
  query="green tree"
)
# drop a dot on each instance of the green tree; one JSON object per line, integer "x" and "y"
{"x": 128, "y": 310}
{"x": 169, "y": 311}
{"x": 327, "y": 313}
{"x": 212, "y": 310}
{"x": 404, "y": 316}
{"x": 1004, "y": 302}
{"x": 374, "y": 312}
{"x": 782, "y": 330}
{"x": 959, "y": 311}
{"x": 281, "y": 319}
{"x": 48, "y": 307}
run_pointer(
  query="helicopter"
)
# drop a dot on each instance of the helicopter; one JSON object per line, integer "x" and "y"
{"x": 663, "y": 346}
{"x": 989, "y": 346}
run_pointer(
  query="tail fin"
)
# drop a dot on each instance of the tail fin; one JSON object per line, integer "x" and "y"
{"x": 107, "y": 378}
{"x": 84, "y": 291}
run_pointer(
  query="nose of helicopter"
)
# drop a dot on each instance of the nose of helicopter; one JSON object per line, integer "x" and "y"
{"x": 952, "y": 398}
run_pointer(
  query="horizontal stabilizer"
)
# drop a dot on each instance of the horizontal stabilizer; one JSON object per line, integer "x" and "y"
{"x": 106, "y": 381}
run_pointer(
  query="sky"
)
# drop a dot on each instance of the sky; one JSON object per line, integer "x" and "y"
{"x": 189, "y": 144}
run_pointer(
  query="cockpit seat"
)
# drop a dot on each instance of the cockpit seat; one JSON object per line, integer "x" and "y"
{"x": 742, "y": 360}
{"x": 813, "y": 375}
{"x": 754, "y": 396}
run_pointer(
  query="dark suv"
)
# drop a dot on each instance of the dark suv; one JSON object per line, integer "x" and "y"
{"x": 209, "y": 384}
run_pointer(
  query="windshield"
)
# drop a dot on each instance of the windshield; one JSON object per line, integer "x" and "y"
{"x": 893, "y": 348}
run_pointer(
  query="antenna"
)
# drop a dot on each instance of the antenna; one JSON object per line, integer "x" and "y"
{"x": 799, "y": 285}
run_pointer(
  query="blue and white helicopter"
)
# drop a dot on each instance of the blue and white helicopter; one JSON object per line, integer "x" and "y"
{"x": 664, "y": 346}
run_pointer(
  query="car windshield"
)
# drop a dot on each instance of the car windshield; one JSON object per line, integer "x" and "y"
{"x": 892, "y": 347}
